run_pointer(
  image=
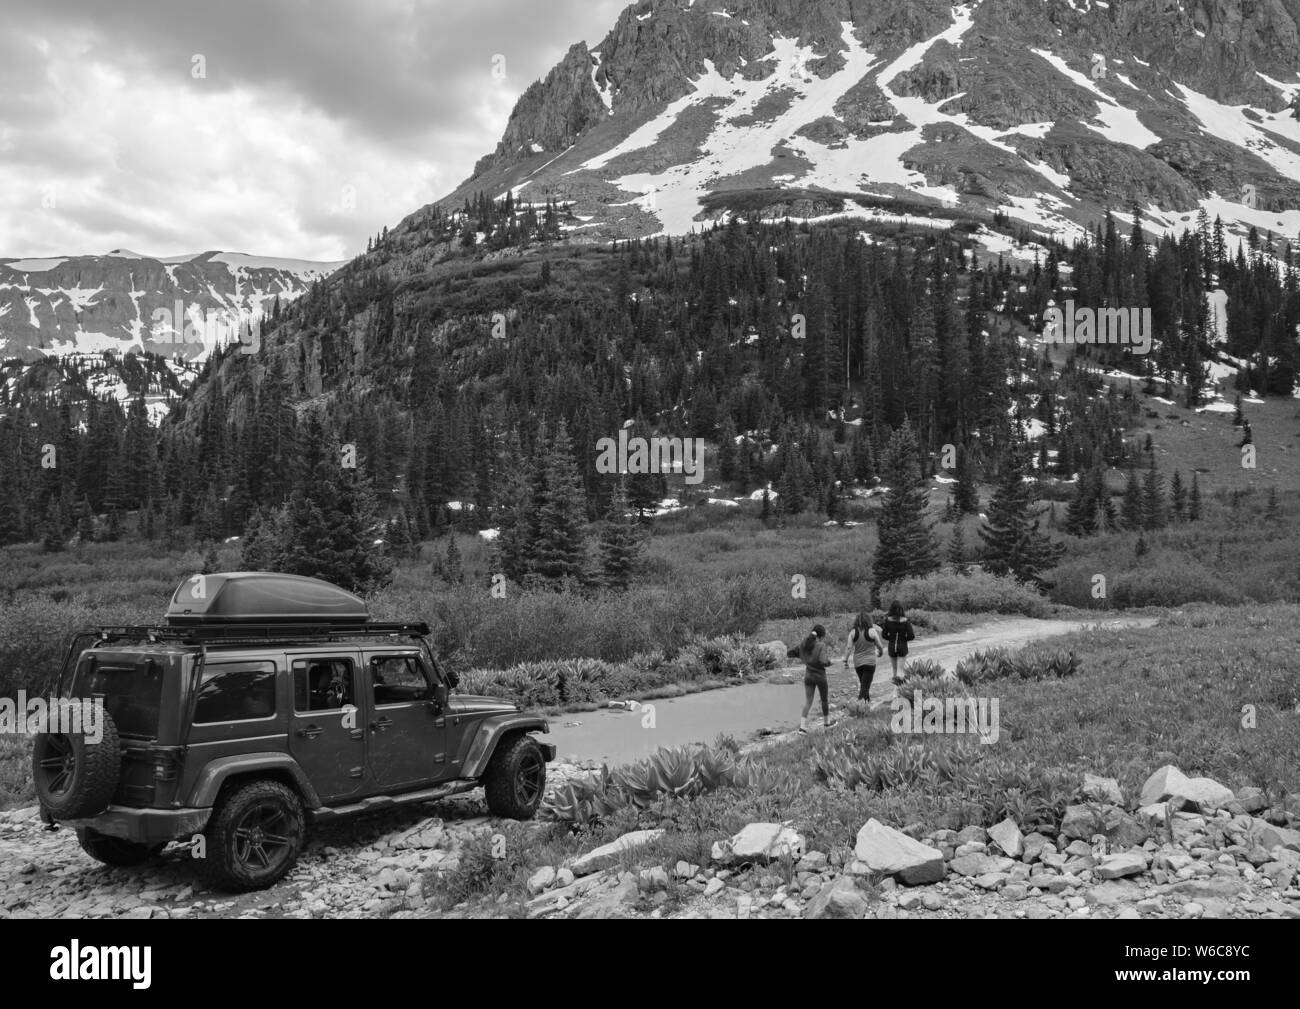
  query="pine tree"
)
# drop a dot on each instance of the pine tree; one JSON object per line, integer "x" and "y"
{"x": 906, "y": 546}
{"x": 453, "y": 567}
{"x": 957, "y": 551}
{"x": 11, "y": 527}
{"x": 1131, "y": 508}
{"x": 1012, "y": 543}
{"x": 331, "y": 520}
{"x": 1081, "y": 515}
{"x": 516, "y": 541}
{"x": 1178, "y": 498}
{"x": 1194, "y": 500}
{"x": 966, "y": 494}
{"x": 52, "y": 533}
{"x": 1272, "y": 512}
{"x": 1153, "y": 499}
{"x": 621, "y": 541}
{"x": 562, "y": 519}
{"x": 85, "y": 522}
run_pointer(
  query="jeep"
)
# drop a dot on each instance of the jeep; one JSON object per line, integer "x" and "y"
{"x": 262, "y": 704}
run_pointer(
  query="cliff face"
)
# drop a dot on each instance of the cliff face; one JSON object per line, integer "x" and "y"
{"x": 1050, "y": 111}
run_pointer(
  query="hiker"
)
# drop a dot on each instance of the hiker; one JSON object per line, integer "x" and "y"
{"x": 815, "y": 656}
{"x": 898, "y": 632}
{"x": 864, "y": 637}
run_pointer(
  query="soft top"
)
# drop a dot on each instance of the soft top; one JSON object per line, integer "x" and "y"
{"x": 262, "y": 597}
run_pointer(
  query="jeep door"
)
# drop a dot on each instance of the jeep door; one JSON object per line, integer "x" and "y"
{"x": 408, "y": 735}
{"x": 326, "y": 729}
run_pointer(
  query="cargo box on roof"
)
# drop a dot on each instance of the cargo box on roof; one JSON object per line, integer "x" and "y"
{"x": 262, "y": 597}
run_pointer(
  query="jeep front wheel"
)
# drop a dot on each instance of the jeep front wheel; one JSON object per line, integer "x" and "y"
{"x": 254, "y": 837}
{"x": 115, "y": 851}
{"x": 516, "y": 778}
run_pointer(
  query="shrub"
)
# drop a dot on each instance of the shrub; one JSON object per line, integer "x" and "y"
{"x": 978, "y": 592}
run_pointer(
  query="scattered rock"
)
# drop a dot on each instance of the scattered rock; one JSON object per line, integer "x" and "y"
{"x": 1123, "y": 864}
{"x": 891, "y": 852}
{"x": 840, "y": 899}
{"x": 1163, "y": 784}
{"x": 586, "y": 863}
{"x": 1007, "y": 836}
{"x": 541, "y": 880}
{"x": 763, "y": 842}
{"x": 1103, "y": 789}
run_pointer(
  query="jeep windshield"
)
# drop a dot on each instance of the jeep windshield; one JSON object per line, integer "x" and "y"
{"x": 131, "y": 687}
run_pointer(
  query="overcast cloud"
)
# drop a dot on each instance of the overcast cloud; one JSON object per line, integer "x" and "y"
{"x": 316, "y": 123}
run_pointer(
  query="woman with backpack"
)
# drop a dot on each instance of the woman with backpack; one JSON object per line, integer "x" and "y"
{"x": 898, "y": 632}
{"x": 815, "y": 656}
{"x": 864, "y": 647}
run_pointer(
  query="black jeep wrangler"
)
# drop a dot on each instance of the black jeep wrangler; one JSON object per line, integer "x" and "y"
{"x": 263, "y": 703}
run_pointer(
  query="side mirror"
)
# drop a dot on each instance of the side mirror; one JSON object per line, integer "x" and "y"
{"x": 440, "y": 698}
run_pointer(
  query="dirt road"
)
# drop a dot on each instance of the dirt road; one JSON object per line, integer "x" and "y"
{"x": 616, "y": 737}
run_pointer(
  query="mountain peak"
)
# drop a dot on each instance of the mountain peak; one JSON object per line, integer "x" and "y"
{"x": 1048, "y": 112}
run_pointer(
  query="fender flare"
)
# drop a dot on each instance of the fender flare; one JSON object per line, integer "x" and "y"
{"x": 217, "y": 772}
{"x": 490, "y": 732}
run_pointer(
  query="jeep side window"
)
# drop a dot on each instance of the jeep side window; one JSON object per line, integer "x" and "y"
{"x": 399, "y": 679}
{"x": 235, "y": 692}
{"x": 322, "y": 684}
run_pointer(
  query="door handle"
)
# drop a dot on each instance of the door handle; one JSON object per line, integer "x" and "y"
{"x": 311, "y": 731}
{"x": 381, "y": 725}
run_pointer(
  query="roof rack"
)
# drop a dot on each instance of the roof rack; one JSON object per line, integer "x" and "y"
{"x": 206, "y": 633}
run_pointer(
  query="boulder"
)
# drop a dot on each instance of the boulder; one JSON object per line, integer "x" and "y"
{"x": 1103, "y": 789}
{"x": 1269, "y": 837}
{"x": 615, "y": 903}
{"x": 1007, "y": 836}
{"x": 777, "y": 650}
{"x": 979, "y": 864}
{"x": 653, "y": 879}
{"x": 839, "y": 899}
{"x": 541, "y": 880}
{"x": 891, "y": 852}
{"x": 1164, "y": 783}
{"x": 972, "y": 833}
{"x": 586, "y": 863}
{"x": 1204, "y": 794}
{"x": 1252, "y": 799}
{"x": 1082, "y": 822}
{"x": 763, "y": 842}
{"x": 1123, "y": 864}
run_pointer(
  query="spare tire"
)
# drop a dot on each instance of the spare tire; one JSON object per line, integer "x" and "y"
{"x": 73, "y": 776}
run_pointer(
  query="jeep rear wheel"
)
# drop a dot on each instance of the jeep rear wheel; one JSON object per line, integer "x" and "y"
{"x": 516, "y": 778}
{"x": 115, "y": 851}
{"x": 73, "y": 776}
{"x": 254, "y": 837}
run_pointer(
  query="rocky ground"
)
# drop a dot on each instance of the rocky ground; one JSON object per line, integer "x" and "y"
{"x": 1191, "y": 849}
{"x": 370, "y": 866}
{"x": 1187, "y": 848}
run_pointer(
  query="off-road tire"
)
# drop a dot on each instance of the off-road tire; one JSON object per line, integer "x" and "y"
{"x": 515, "y": 780}
{"x": 74, "y": 777}
{"x": 115, "y": 851}
{"x": 235, "y": 859}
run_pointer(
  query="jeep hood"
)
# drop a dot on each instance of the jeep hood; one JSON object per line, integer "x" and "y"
{"x": 477, "y": 704}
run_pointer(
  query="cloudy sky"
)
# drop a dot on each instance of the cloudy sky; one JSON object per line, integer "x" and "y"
{"x": 272, "y": 127}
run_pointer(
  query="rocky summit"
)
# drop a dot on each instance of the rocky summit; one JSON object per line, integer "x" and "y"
{"x": 1045, "y": 112}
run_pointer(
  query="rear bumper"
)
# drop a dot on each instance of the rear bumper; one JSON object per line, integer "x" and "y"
{"x": 146, "y": 826}
{"x": 548, "y": 750}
